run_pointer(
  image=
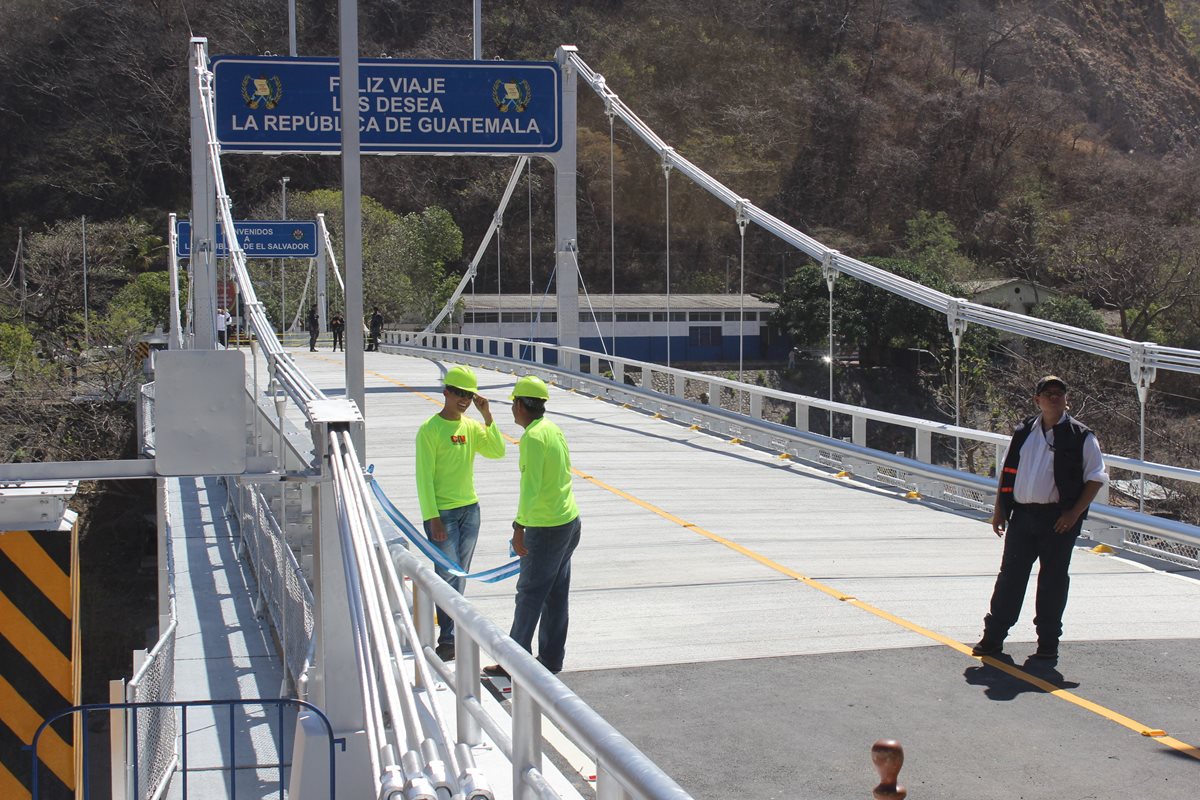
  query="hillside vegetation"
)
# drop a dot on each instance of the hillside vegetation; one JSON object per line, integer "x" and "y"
{"x": 952, "y": 139}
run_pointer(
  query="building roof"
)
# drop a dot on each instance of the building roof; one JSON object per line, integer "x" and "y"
{"x": 975, "y": 287}
{"x": 624, "y": 302}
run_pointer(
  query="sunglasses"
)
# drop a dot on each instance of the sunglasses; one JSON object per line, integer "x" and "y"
{"x": 457, "y": 392}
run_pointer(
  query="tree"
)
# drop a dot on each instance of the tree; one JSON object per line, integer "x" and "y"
{"x": 1143, "y": 269}
{"x": 930, "y": 241}
{"x": 872, "y": 318}
{"x": 404, "y": 258}
{"x": 1073, "y": 311}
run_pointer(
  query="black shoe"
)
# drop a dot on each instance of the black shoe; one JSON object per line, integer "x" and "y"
{"x": 987, "y": 647}
{"x": 1047, "y": 650}
{"x": 445, "y": 651}
{"x": 495, "y": 671}
{"x": 547, "y": 666}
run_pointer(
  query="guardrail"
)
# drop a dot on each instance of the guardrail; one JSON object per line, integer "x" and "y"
{"x": 736, "y": 409}
{"x": 386, "y": 631}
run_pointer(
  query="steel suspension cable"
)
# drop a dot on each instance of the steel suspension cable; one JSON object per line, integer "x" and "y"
{"x": 587, "y": 297}
{"x": 612, "y": 227}
{"x": 499, "y": 296}
{"x": 529, "y": 220}
{"x": 1107, "y": 346}
{"x": 667, "y": 182}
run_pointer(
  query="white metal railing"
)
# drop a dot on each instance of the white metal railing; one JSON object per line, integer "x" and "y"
{"x": 736, "y": 409}
{"x": 157, "y": 728}
{"x": 392, "y": 640}
{"x": 1141, "y": 356}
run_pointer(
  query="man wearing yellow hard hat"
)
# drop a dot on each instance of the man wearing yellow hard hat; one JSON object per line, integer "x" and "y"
{"x": 546, "y": 530}
{"x": 446, "y": 448}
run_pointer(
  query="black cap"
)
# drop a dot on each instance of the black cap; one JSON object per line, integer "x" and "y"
{"x": 1048, "y": 381}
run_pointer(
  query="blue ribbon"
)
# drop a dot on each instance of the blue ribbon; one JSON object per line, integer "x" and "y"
{"x": 418, "y": 538}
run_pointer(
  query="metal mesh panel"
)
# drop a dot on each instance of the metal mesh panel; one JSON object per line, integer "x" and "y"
{"x": 892, "y": 476}
{"x": 156, "y": 727}
{"x": 829, "y": 458}
{"x": 146, "y": 398}
{"x": 972, "y": 498}
{"x": 1157, "y": 546}
{"x": 282, "y": 587}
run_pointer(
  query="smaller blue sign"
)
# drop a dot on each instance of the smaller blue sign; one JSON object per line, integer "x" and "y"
{"x": 258, "y": 238}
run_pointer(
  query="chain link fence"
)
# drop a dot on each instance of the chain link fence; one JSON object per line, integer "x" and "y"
{"x": 153, "y": 730}
{"x": 284, "y": 594}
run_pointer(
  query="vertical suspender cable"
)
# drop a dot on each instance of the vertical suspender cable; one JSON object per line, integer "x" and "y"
{"x": 830, "y": 273}
{"x": 529, "y": 205}
{"x": 612, "y": 230}
{"x": 1142, "y": 452}
{"x": 742, "y": 220}
{"x": 499, "y": 300}
{"x": 957, "y": 404}
{"x": 667, "y": 182}
{"x": 830, "y": 358}
{"x": 958, "y": 327}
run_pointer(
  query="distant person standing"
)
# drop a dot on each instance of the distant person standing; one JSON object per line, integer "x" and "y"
{"x": 446, "y": 448}
{"x": 314, "y": 328}
{"x": 374, "y": 329}
{"x": 223, "y": 321}
{"x": 545, "y": 532}
{"x": 337, "y": 325}
{"x": 1052, "y": 472}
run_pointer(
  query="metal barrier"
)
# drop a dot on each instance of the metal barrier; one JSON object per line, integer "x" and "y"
{"x": 283, "y": 592}
{"x": 736, "y": 409}
{"x": 137, "y": 712}
{"x": 149, "y": 757}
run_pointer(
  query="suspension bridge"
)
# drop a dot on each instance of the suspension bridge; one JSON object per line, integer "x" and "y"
{"x": 755, "y": 601}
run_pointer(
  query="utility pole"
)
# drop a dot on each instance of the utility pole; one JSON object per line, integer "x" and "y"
{"x": 283, "y": 182}
{"x": 87, "y": 341}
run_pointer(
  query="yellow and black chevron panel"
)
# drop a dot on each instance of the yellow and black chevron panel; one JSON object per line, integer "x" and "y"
{"x": 39, "y": 660}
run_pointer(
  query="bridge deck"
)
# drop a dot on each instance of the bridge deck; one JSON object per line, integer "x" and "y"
{"x": 711, "y": 621}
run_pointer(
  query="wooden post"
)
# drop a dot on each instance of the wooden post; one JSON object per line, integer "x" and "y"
{"x": 888, "y": 757}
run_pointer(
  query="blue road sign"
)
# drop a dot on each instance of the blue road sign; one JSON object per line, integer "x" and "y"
{"x": 258, "y": 238}
{"x": 277, "y": 104}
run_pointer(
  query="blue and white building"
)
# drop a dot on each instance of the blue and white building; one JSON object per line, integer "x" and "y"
{"x": 702, "y": 327}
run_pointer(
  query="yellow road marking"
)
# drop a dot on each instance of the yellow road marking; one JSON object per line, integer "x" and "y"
{"x": 1011, "y": 669}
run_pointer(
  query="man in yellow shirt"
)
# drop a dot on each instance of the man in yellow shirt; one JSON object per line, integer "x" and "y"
{"x": 545, "y": 532}
{"x": 446, "y": 448}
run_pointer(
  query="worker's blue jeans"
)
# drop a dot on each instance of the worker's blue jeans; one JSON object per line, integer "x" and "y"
{"x": 462, "y": 531}
{"x": 542, "y": 592}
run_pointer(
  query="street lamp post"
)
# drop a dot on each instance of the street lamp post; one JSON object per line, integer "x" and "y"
{"x": 283, "y": 182}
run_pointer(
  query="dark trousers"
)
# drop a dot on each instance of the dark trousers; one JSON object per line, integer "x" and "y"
{"x": 337, "y": 340}
{"x": 543, "y": 589}
{"x": 313, "y": 333}
{"x": 1031, "y": 538}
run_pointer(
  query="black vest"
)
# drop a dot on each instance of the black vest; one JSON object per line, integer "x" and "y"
{"x": 1069, "y": 435}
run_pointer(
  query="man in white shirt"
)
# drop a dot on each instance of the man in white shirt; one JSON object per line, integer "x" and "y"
{"x": 223, "y": 320}
{"x": 1052, "y": 471}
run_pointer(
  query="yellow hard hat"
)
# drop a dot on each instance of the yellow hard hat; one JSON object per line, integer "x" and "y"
{"x": 531, "y": 386}
{"x": 462, "y": 378}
